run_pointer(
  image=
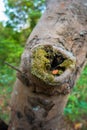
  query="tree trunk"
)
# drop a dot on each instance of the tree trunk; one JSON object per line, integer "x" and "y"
{"x": 54, "y": 56}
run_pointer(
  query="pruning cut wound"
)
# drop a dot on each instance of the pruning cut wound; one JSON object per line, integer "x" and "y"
{"x": 49, "y": 63}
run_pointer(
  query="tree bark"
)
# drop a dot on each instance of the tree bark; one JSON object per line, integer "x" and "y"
{"x": 54, "y": 56}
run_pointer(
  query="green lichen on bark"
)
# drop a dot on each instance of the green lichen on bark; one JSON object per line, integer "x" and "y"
{"x": 40, "y": 64}
{"x": 67, "y": 63}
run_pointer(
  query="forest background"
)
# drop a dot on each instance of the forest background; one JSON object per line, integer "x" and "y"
{"x": 22, "y": 17}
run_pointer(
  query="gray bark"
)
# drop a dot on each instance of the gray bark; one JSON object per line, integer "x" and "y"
{"x": 37, "y": 101}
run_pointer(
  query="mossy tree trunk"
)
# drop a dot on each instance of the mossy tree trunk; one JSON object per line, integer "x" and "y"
{"x": 54, "y": 56}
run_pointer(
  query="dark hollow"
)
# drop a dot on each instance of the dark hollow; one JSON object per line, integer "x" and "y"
{"x": 3, "y": 125}
{"x": 56, "y": 58}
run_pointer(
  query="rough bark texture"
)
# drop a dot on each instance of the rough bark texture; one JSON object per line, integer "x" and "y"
{"x": 54, "y": 56}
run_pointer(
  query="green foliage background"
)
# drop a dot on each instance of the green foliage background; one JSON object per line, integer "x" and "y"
{"x": 13, "y": 37}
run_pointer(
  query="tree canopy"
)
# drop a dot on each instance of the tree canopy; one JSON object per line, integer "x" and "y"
{"x": 24, "y": 13}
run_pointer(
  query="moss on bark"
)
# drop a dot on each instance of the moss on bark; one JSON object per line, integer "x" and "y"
{"x": 45, "y": 60}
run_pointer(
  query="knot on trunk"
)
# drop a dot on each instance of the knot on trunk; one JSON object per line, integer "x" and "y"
{"x": 51, "y": 64}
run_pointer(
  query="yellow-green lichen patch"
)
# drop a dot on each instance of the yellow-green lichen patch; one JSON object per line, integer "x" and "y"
{"x": 68, "y": 63}
{"x": 40, "y": 64}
